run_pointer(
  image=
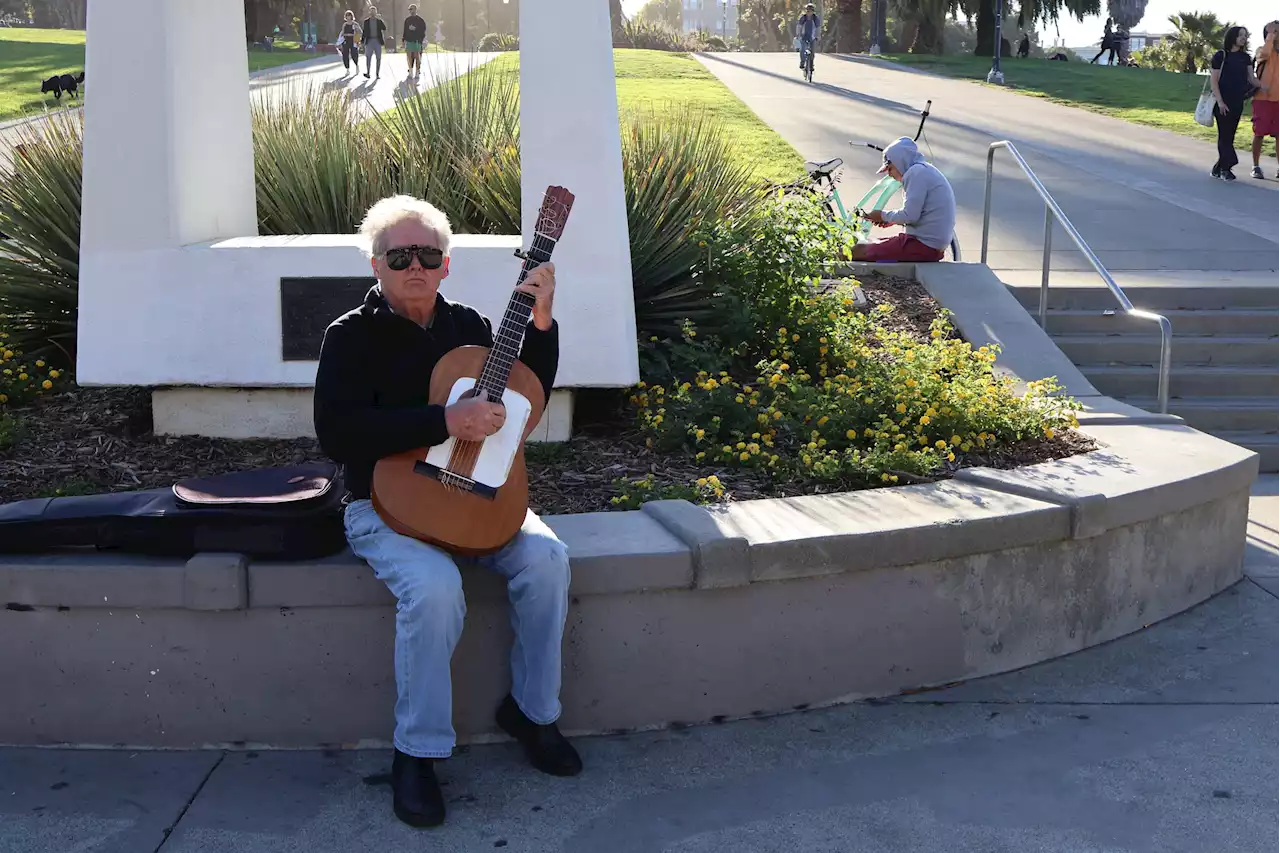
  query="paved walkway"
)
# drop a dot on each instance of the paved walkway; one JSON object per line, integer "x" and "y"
{"x": 326, "y": 71}
{"x": 1164, "y": 741}
{"x": 1142, "y": 198}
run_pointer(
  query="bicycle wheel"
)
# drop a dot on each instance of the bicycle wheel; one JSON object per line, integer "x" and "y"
{"x": 808, "y": 68}
{"x": 955, "y": 248}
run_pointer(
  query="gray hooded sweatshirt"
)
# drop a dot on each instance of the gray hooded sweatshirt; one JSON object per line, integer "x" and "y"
{"x": 929, "y": 206}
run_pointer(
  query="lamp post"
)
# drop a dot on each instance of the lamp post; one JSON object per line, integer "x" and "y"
{"x": 875, "y": 27}
{"x": 995, "y": 75}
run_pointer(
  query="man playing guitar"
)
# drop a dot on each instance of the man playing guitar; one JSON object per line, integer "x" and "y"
{"x": 371, "y": 384}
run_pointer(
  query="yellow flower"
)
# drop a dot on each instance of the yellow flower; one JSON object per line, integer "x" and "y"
{"x": 955, "y": 439}
{"x": 744, "y": 456}
{"x": 40, "y": 363}
{"x": 940, "y": 444}
{"x": 1048, "y": 433}
{"x": 851, "y": 433}
{"x": 924, "y": 419}
{"x": 46, "y": 385}
{"x": 951, "y": 457}
{"x": 22, "y": 377}
{"x": 698, "y": 434}
{"x": 902, "y": 407}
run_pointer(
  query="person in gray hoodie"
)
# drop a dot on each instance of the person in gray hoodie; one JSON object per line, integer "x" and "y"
{"x": 928, "y": 210}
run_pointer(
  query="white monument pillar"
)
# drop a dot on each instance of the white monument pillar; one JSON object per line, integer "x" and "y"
{"x": 168, "y": 152}
{"x": 569, "y": 137}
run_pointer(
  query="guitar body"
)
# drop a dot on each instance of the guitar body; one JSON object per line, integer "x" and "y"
{"x": 460, "y": 521}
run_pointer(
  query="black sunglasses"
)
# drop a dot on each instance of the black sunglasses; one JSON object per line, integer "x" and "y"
{"x": 399, "y": 258}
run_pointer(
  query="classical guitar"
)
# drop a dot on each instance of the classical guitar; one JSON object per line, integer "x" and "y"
{"x": 470, "y": 497}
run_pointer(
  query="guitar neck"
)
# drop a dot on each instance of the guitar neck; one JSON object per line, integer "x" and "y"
{"x": 508, "y": 338}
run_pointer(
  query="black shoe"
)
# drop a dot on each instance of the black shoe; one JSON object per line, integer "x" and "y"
{"x": 1228, "y": 175}
{"x": 548, "y": 750}
{"x": 1216, "y": 173}
{"x": 415, "y": 792}
{"x": 1257, "y": 173}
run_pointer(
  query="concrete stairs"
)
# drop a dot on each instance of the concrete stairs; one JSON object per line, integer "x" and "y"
{"x": 1224, "y": 379}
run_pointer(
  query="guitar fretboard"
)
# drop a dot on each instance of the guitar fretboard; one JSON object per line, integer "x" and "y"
{"x": 509, "y": 336}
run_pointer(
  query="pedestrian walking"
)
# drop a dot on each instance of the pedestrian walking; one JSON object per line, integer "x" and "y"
{"x": 1265, "y": 120}
{"x": 347, "y": 43}
{"x": 1233, "y": 80}
{"x": 373, "y": 36}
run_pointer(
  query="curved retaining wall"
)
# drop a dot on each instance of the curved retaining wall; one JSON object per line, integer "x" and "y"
{"x": 679, "y": 615}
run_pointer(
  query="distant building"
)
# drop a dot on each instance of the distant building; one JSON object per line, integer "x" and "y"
{"x": 713, "y": 17}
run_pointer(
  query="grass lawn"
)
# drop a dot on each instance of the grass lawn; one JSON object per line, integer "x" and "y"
{"x": 1143, "y": 96}
{"x": 29, "y": 56}
{"x": 662, "y": 81}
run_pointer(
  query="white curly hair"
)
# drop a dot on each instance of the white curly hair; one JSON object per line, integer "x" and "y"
{"x": 395, "y": 209}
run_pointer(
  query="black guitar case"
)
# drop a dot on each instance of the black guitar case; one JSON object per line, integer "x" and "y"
{"x": 287, "y": 513}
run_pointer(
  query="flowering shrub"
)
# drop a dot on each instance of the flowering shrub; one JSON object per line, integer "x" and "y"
{"x": 633, "y": 493}
{"x": 21, "y": 379}
{"x": 797, "y": 385}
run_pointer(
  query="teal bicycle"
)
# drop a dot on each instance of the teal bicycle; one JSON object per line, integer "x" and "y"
{"x": 823, "y": 177}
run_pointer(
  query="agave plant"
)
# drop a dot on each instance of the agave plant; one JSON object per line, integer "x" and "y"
{"x": 681, "y": 176}
{"x": 40, "y": 238}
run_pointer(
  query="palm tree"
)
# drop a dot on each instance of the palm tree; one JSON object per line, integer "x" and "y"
{"x": 1030, "y": 12}
{"x": 1196, "y": 37}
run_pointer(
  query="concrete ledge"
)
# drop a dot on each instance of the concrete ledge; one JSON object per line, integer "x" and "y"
{"x": 720, "y": 558}
{"x": 1138, "y": 473}
{"x": 678, "y": 614}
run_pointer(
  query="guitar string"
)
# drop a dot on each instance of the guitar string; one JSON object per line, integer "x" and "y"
{"x": 494, "y": 375}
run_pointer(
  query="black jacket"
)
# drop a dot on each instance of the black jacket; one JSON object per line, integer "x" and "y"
{"x": 375, "y": 373}
{"x": 415, "y": 29}
{"x": 372, "y": 30}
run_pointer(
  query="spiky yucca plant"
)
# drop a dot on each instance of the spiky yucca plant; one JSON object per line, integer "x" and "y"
{"x": 40, "y": 248}
{"x": 680, "y": 176}
{"x": 318, "y": 167}
{"x": 462, "y": 139}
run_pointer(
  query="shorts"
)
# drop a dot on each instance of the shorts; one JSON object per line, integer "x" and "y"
{"x": 413, "y": 47}
{"x": 902, "y": 248}
{"x": 1264, "y": 118}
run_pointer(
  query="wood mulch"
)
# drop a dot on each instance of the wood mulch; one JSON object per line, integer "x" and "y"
{"x": 93, "y": 440}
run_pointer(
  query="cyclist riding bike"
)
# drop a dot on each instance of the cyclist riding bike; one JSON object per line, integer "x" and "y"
{"x": 807, "y": 29}
{"x": 928, "y": 210}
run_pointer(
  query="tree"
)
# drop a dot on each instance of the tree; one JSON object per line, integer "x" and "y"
{"x": 1030, "y": 13}
{"x": 1126, "y": 14}
{"x": 1197, "y": 35}
{"x": 924, "y": 23}
{"x": 846, "y": 26}
{"x": 662, "y": 12}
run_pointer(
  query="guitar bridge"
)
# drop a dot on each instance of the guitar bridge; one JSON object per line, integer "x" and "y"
{"x": 454, "y": 481}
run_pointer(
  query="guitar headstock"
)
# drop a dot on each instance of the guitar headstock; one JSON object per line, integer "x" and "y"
{"x": 556, "y": 204}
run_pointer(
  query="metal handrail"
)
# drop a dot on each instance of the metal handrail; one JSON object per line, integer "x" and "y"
{"x": 1052, "y": 212}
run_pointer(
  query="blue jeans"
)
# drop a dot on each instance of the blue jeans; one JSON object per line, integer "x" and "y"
{"x": 430, "y": 607}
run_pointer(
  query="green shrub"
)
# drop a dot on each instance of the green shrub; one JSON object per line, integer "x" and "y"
{"x": 40, "y": 250}
{"x": 498, "y": 42}
{"x": 644, "y": 35}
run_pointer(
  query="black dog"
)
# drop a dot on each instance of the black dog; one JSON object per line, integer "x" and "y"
{"x": 60, "y": 83}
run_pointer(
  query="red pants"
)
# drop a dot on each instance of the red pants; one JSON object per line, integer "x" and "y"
{"x": 902, "y": 248}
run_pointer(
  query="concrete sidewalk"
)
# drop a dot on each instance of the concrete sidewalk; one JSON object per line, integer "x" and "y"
{"x": 1163, "y": 741}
